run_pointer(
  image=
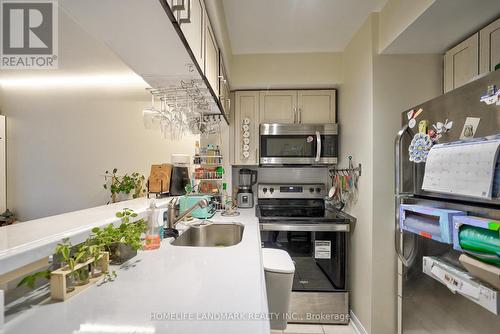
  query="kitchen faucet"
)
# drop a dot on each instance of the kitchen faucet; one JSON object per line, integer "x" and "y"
{"x": 172, "y": 220}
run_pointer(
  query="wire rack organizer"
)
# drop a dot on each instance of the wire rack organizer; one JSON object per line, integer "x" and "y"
{"x": 351, "y": 169}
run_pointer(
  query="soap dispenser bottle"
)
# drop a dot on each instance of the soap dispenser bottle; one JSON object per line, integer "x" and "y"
{"x": 153, "y": 238}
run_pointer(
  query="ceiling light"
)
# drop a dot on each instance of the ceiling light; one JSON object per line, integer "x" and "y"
{"x": 75, "y": 81}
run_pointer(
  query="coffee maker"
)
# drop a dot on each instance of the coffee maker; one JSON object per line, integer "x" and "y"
{"x": 180, "y": 174}
{"x": 247, "y": 179}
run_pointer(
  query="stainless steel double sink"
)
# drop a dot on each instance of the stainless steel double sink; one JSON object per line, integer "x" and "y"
{"x": 211, "y": 235}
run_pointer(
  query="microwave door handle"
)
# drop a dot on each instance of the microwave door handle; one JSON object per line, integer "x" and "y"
{"x": 318, "y": 146}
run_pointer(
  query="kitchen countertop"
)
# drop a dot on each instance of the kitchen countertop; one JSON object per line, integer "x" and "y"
{"x": 173, "y": 289}
{"x": 27, "y": 242}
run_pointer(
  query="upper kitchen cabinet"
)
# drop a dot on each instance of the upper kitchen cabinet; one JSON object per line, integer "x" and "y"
{"x": 224, "y": 89}
{"x": 489, "y": 47}
{"x": 211, "y": 57}
{"x": 246, "y": 128}
{"x": 278, "y": 106}
{"x": 316, "y": 106}
{"x": 461, "y": 63}
{"x": 160, "y": 40}
{"x": 298, "y": 106}
{"x": 192, "y": 22}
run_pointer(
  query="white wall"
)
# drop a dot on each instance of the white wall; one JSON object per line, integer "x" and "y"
{"x": 60, "y": 142}
{"x": 396, "y": 17}
{"x": 356, "y": 133}
{"x": 400, "y": 82}
{"x": 66, "y": 127}
{"x": 376, "y": 90}
{"x": 296, "y": 70}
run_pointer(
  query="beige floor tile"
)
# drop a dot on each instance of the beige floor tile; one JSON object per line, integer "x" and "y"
{"x": 303, "y": 329}
{"x": 338, "y": 329}
{"x": 274, "y": 331}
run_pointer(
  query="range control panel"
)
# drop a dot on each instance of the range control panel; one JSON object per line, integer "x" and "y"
{"x": 277, "y": 190}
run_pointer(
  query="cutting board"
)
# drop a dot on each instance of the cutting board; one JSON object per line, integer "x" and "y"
{"x": 159, "y": 178}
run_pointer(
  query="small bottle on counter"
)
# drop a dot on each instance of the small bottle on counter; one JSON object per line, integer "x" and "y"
{"x": 153, "y": 238}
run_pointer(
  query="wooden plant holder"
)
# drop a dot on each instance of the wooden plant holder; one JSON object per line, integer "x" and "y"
{"x": 58, "y": 278}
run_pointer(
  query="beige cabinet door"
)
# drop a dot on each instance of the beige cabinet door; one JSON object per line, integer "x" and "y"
{"x": 211, "y": 57}
{"x": 461, "y": 63}
{"x": 224, "y": 97}
{"x": 246, "y": 128}
{"x": 316, "y": 106}
{"x": 192, "y": 23}
{"x": 279, "y": 106}
{"x": 489, "y": 47}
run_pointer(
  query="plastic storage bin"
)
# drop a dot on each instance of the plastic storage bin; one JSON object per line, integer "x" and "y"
{"x": 479, "y": 237}
{"x": 429, "y": 222}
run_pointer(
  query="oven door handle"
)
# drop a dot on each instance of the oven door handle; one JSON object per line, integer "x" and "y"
{"x": 318, "y": 146}
{"x": 305, "y": 227}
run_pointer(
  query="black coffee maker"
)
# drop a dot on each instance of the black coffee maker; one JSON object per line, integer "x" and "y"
{"x": 179, "y": 180}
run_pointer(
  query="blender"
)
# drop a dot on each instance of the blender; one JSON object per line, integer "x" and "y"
{"x": 247, "y": 179}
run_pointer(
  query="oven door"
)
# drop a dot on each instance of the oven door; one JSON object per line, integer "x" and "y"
{"x": 319, "y": 290}
{"x": 298, "y": 144}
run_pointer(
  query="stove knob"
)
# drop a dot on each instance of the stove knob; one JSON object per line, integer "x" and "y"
{"x": 318, "y": 190}
{"x": 311, "y": 190}
{"x": 264, "y": 190}
{"x": 271, "y": 190}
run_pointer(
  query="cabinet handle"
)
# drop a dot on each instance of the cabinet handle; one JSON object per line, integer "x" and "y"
{"x": 294, "y": 115}
{"x": 178, "y": 5}
{"x": 229, "y": 104}
{"x": 300, "y": 115}
{"x": 188, "y": 9}
{"x": 221, "y": 78}
{"x": 256, "y": 156}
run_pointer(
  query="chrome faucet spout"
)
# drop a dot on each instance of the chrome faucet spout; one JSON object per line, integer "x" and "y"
{"x": 173, "y": 220}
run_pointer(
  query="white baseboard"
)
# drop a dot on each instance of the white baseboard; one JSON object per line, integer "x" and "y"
{"x": 2, "y": 310}
{"x": 356, "y": 324}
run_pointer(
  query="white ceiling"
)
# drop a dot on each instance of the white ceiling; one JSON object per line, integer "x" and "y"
{"x": 288, "y": 26}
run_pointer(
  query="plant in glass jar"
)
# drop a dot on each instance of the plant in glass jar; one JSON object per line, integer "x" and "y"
{"x": 124, "y": 187}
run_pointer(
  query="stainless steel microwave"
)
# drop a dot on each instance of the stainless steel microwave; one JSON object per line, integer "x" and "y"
{"x": 298, "y": 144}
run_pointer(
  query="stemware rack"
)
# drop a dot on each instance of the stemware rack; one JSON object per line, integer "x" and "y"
{"x": 185, "y": 108}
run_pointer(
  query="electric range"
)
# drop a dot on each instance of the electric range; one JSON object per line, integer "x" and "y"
{"x": 297, "y": 219}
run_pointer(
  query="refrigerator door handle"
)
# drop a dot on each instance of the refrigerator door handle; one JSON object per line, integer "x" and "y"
{"x": 398, "y": 162}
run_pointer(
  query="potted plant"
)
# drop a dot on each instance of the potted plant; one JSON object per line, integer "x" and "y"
{"x": 63, "y": 250}
{"x": 124, "y": 187}
{"x": 123, "y": 241}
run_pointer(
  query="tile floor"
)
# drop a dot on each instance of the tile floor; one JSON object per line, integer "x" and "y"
{"x": 316, "y": 329}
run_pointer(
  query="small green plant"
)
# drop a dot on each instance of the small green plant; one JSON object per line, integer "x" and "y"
{"x": 127, "y": 184}
{"x": 102, "y": 239}
{"x": 129, "y": 232}
{"x": 30, "y": 280}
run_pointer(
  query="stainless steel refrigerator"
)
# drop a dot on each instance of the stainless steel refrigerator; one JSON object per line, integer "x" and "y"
{"x": 426, "y": 305}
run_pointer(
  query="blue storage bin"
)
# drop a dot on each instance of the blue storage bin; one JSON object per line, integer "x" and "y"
{"x": 429, "y": 222}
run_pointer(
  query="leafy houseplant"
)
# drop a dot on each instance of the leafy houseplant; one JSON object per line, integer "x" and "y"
{"x": 123, "y": 241}
{"x": 132, "y": 184}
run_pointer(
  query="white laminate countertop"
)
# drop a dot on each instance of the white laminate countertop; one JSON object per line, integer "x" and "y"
{"x": 27, "y": 242}
{"x": 173, "y": 289}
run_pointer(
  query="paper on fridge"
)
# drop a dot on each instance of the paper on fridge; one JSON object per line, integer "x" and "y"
{"x": 462, "y": 168}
